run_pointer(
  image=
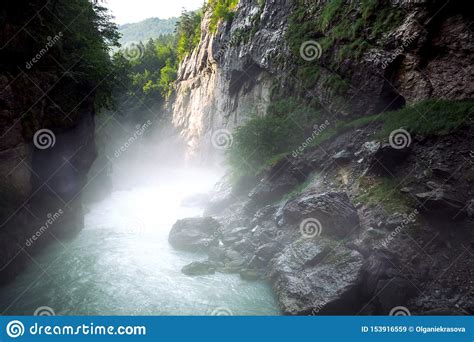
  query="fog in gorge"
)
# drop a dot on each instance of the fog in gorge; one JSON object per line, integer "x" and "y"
{"x": 244, "y": 158}
{"x": 121, "y": 262}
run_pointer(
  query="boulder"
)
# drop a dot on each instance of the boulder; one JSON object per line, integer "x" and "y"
{"x": 283, "y": 177}
{"x": 263, "y": 214}
{"x": 216, "y": 253}
{"x": 394, "y": 292}
{"x": 195, "y": 234}
{"x": 343, "y": 156}
{"x": 264, "y": 254}
{"x": 317, "y": 276}
{"x": 231, "y": 236}
{"x": 329, "y": 213}
{"x": 441, "y": 201}
{"x": 388, "y": 158}
{"x": 470, "y": 208}
{"x": 199, "y": 268}
{"x": 383, "y": 157}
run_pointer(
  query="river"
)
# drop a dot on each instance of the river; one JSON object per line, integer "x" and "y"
{"x": 121, "y": 262}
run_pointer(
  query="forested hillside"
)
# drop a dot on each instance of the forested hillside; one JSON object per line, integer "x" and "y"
{"x": 146, "y": 29}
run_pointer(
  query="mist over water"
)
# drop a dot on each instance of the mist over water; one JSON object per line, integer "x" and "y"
{"x": 121, "y": 262}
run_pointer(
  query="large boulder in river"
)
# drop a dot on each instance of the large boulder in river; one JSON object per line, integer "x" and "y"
{"x": 195, "y": 234}
{"x": 329, "y": 213}
{"x": 317, "y": 276}
{"x": 197, "y": 268}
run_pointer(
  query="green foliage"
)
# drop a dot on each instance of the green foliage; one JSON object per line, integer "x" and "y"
{"x": 146, "y": 29}
{"x": 432, "y": 117}
{"x": 368, "y": 8}
{"x": 82, "y": 48}
{"x": 167, "y": 77}
{"x": 263, "y": 138}
{"x": 383, "y": 191}
{"x": 188, "y": 32}
{"x": 147, "y": 80}
{"x": 343, "y": 30}
{"x": 221, "y": 10}
{"x": 329, "y": 12}
{"x": 263, "y": 141}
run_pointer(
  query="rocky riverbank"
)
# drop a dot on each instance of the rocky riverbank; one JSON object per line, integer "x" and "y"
{"x": 353, "y": 226}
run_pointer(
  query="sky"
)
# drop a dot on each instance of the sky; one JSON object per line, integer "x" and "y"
{"x": 131, "y": 11}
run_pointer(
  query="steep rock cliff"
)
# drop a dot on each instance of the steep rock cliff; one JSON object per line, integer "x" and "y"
{"x": 47, "y": 140}
{"x": 399, "y": 52}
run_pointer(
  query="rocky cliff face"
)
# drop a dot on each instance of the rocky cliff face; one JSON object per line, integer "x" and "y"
{"x": 46, "y": 147}
{"x": 353, "y": 225}
{"x": 357, "y": 234}
{"x": 233, "y": 73}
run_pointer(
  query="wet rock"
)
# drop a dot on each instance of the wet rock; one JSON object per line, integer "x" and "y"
{"x": 329, "y": 213}
{"x": 234, "y": 235}
{"x": 394, "y": 292}
{"x": 441, "y": 201}
{"x": 216, "y": 253}
{"x": 470, "y": 208}
{"x": 312, "y": 276}
{"x": 220, "y": 197}
{"x": 394, "y": 220}
{"x": 250, "y": 275}
{"x": 264, "y": 254}
{"x": 441, "y": 171}
{"x": 262, "y": 214}
{"x": 199, "y": 268}
{"x": 279, "y": 180}
{"x": 369, "y": 148}
{"x": 194, "y": 234}
{"x": 244, "y": 246}
{"x": 235, "y": 264}
{"x": 387, "y": 158}
{"x": 343, "y": 156}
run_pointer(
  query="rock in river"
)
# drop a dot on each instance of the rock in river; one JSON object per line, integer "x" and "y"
{"x": 195, "y": 234}
{"x": 199, "y": 268}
